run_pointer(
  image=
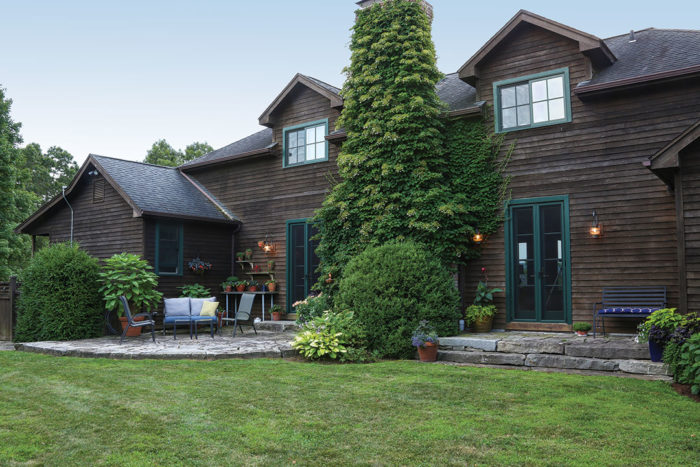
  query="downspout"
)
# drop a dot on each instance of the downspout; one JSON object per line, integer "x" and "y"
{"x": 71, "y": 214}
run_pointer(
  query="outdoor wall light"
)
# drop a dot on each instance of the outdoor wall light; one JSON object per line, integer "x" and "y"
{"x": 478, "y": 237}
{"x": 267, "y": 247}
{"x": 596, "y": 229}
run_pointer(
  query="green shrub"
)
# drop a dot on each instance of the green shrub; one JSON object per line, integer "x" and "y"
{"x": 688, "y": 364}
{"x": 391, "y": 288}
{"x": 582, "y": 326}
{"x": 129, "y": 275}
{"x": 195, "y": 291}
{"x": 671, "y": 356}
{"x": 334, "y": 336}
{"x": 311, "y": 307}
{"x": 60, "y": 297}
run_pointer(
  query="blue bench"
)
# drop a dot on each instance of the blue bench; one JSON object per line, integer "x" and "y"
{"x": 186, "y": 310}
{"x": 628, "y": 302}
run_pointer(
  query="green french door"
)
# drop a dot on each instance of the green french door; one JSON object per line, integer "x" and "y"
{"x": 302, "y": 261}
{"x": 538, "y": 271}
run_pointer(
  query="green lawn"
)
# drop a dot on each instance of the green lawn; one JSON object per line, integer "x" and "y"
{"x": 69, "y": 411}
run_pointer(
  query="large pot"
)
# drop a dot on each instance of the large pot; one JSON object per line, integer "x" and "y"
{"x": 483, "y": 325}
{"x": 276, "y": 316}
{"x": 132, "y": 332}
{"x": 428, "y": 352}
{"x": 656, "y": 351}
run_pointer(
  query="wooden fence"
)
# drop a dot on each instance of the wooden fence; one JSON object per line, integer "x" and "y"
{"x": 9, "y": 291}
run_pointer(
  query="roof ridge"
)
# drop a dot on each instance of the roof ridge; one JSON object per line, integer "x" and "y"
{"x": 651, "y": 28}
{"x": 134, "y": 162}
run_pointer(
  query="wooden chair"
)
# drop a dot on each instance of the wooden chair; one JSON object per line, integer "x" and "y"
{"x": 137, "y": 324}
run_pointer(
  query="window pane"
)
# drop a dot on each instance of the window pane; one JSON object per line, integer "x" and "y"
{"x": 321, "y": 133}
{"x": 539, "y": 112}
{"x": 509, "y": 118}
{"x": 292, "y": 139}
{"x": 310, "y": 135}
{"x": 539, "y": 91}
{"x": 301, "y": 154}
{"x": 321, "y": 150}
{"x": 523, "y": 94}
{"x": 292, "y": 156}
{"x": 310, "y": 152}
{"x": 556, "y": 109}
{"x": 523, "y": 115}
{"x": 555, "y": 87}
{"x": 168, "y": 248}
{"x": 301, "y": 138}
{"x": 507, "y": 97}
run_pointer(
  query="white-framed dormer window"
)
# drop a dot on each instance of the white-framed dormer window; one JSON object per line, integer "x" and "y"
{"x": 305, "y": 143}
{"x": 532, "y": 101}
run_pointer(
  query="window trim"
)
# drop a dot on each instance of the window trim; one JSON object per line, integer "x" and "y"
{"x": 529, "y": 79}
{"x": 181, "y": 237}
{"x": 296, "y": 128}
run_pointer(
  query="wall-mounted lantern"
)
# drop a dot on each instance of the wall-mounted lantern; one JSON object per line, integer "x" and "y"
{"x": 267, "y": 247}
{"x": 478, "y": 237}
{"x": 596, "y": 230}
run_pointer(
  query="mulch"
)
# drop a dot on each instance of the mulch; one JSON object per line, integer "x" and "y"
{"x": 684, "y": 390}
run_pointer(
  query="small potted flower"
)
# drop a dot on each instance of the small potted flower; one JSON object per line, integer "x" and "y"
{"x": 480, "y": 314}
{"x": 257, "y": 268}
{"x": 276, "y": 312}
{"x": 582, "y": 328}
{"x": 271, "y": 265}
{"x": 271, "y": 285}
{"x": 253, "y": 286}
{"x": 240, "y": 256}
{"x": 425, "y": 338}
{"x": 241, "y": 285}
{"x": 229, "y": 284}
{"x": 248, "y": 254}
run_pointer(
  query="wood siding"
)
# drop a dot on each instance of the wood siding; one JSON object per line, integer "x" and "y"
{"x": 102, "y": 228}
{"x": 264, "y": 195}
{"x": 597, "y": 161}
{"x": 690, "y": 177}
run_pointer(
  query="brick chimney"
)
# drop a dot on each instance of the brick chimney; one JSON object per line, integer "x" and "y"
{"x": 427, "y": 7}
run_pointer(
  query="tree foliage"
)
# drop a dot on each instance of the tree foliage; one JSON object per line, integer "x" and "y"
{"x": 44, "y": 174}
{"x": 405, "y": 172}
{"x": 162, "y": 153}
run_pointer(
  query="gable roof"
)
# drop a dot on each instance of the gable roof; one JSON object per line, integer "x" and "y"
{"x": 654, "y": 54}
{"x": 326, "y": 90}
{"x": 259, "y": 143}
{"x": 459, "y": 96}
{"x": 149, "y": 190}
{"x": 667, "y": 157}
{"x": 590, "y": 45}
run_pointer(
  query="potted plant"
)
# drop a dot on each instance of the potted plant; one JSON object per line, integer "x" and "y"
{"x": 256, "y": 268}
{"x": 253, "y": 286}
{"x": 129, "y": 275}
{"x": 240, "y": 256}
{"x": 241, "y": 285}
{"x": 271, "y": 265}
{"x": 229, "y": 284}
{"x": 249, "y": 254}
{"x": 276, "y": 312}
{"x": 480, "y": 314}
{"x": 271, "y": 285}
{"x": 582, "y": 328}
{"x": 657, "y": 330}
{"x": 425, "y": 339}
{"x": 199, "y": 266}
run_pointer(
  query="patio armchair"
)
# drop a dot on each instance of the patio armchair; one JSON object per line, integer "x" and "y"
{"x": 131, "y": 323}
{"x": 245, "y": 309}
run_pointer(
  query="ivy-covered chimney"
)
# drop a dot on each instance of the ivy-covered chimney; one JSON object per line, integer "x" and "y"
{"x": 427, "y": 7}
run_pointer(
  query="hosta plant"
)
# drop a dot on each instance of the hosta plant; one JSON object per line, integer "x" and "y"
{"x": 195, "y": 291}
{"x": 129, "y": 275}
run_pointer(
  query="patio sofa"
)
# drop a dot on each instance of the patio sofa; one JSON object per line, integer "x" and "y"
{"x": 185, "y": 310}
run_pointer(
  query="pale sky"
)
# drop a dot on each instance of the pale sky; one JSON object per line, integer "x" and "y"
{"x": 112, "y": 77}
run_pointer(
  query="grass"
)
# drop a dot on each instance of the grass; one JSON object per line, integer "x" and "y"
{"x": 68, "y": 411}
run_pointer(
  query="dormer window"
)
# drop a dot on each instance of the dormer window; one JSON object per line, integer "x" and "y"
{"x": 532, "y": 101}
{"x": 306, "y": 143}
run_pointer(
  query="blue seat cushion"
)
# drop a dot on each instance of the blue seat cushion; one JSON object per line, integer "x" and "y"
{"x": 628, "y": 310}
{"x": 171, "y": 319}
{"x": 204, "y": 318}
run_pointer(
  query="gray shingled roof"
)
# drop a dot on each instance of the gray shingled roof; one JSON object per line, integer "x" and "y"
{"x": 259, "y": 140}
{"x": 654, "y": 51}
{"x": 455, "y": 93}
{"x": 324, "y": 85}
{"x": 159, "y": 190}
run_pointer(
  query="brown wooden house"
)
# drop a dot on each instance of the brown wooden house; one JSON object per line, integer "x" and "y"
{"x": 605, "y": 126}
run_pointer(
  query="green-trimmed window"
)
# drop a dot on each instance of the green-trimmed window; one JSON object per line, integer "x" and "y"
{"x": 532, "y": 101}
{"x": 304, "y": 144}
{"x": 169, "y": 243}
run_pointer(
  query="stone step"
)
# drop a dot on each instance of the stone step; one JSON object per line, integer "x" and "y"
{"x": 277, "y": 326}
{"x": 541, "y": 360}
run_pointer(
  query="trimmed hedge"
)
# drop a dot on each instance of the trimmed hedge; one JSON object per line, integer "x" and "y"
{"x": 60, "y": 297}
{"x": 391, "y": 288}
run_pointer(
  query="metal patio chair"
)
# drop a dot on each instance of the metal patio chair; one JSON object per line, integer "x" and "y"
{"x": 245, "y": 308}
{"x": 136, "y": 324}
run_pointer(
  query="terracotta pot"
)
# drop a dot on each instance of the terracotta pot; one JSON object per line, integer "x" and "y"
{"x": 276, "y": 316}
{"x": 240, "y": 288}
{"x": 229, "y": 288}
{"x": 271, "y": 287}
{"x": 483, "y": 325}
{"x": 582, "y": 333}
{"x": 252, "y": 288}
{"x": 428, "y": 352}
{"x": 132, "y": 332}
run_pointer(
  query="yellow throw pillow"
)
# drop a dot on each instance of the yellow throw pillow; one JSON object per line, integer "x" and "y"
{"x": 209, "y": 309}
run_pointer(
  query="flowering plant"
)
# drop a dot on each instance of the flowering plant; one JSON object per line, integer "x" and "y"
{"x": 198, "y": 266}
{"x": 309, "y": 308}
{"x": 424, "y": 333}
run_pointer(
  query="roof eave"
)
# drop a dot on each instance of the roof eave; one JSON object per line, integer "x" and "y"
{"x": 266, "y": 151}
{"x": 602, "y": 88}
{"x": 170, "y": 215}
{"x": 668, "y": 157}
{"x": 475, "y": 110}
